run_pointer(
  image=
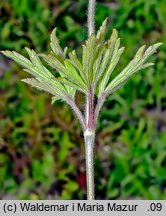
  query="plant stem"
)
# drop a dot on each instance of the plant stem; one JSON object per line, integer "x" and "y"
{"x": 91, "y": 15}
{"x": 76, "y": 110}
{"x": 99, "y": 106}
{"x": 89, "y": 137}
{"x": 89, "y": 132}
{"x": 89, "y": 109}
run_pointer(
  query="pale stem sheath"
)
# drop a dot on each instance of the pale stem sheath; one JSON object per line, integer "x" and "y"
{"x": 89, "y": 137}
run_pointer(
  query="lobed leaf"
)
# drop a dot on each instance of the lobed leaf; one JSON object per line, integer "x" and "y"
{"x": 74, "y": 73}
{"x": 87, "y": 56}
{"x": 101, "y": 32}
{"x": 45, "y": 86}
{"x": 77, "y": 64}
{"x": 17, "y": 58}
{"x": 135, "y": 65}
{"x": 54, "y": 43}
{"x": 110, "y": 60}
{"x": 66, "y": 70}
{"x": 99, "y": 59}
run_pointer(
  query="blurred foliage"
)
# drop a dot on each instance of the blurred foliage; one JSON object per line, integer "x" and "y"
{"x": 41, "y": 146}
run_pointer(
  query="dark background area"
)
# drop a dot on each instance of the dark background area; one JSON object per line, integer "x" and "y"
{"x": 41, "y": 145}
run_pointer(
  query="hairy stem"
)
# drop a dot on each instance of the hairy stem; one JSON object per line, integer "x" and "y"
{"x": 76, "y": 110}
{"x": 89, "y": 132}
{"x": 90, "y": 109}
{"x": 99, "y": 106}
{"x": 91, "y": 15}
{"x": 89, "y": 137}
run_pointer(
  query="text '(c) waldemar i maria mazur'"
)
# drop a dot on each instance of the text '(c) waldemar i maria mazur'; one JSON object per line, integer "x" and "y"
{"x": 78, "y": 206}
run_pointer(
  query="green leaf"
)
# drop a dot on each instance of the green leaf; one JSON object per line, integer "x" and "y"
{"x": 74, "y": 74}
{"x": 93, "y": 71}
{"x": 87, "y": 56}
{"x": 66, "y": 71}
{"x": 77, "y": 64}
{"x": 54, "y": 62}
{"x": 55, "y": 45}
{"x": 45, "y": 86}
{"x": 71, "y": 84}
{"x": 95, "y": 63}
{"x": 138, "y": 63}
{"x": 37, "y": 65}
{"x": 110, "y": 60}
{"x": 17, "y": 58}
{"x": 101, "y": 32}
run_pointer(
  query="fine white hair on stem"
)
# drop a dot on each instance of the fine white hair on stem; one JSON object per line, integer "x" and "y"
{"x": 91, "y": 17}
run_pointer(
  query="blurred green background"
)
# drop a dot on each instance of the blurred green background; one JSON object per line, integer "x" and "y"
{"x": 41, "y": 145}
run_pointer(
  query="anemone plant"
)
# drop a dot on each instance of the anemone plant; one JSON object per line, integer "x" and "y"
{"x": 89, "y": 75}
